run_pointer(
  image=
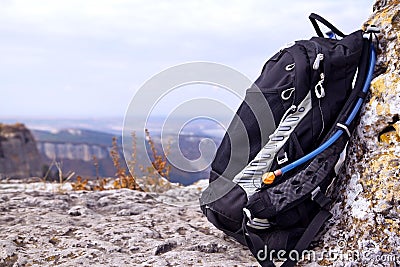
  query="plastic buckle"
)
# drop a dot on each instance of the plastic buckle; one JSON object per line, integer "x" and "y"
{"x": 282, "y": 160}
{"x": 372, "y": 29}
{"x": 315, "y": 192}
{"x": 371, "y": 32}
{"x": 318, "y": 197}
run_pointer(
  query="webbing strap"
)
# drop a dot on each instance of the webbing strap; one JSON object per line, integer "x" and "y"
{"x": 322, "y": 200}
{"x": 255, "y": 243}
{"x": 314, "y": 17}
{"x": 309, "y": 234}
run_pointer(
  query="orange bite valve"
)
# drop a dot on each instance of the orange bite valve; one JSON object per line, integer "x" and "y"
{"x": 268, "y": 178}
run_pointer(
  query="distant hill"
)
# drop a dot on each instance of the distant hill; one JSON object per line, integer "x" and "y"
{"x": 74, "y": 136}
{"x": 75, "y": 148}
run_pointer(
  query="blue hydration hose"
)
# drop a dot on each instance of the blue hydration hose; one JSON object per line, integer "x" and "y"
{"x": 336, "y": 136}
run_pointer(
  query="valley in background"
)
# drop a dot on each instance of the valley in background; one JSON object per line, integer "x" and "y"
{"x": 78, "y": 143}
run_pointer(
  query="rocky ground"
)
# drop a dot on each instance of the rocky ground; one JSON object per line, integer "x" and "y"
{"x": 48, "y": 226}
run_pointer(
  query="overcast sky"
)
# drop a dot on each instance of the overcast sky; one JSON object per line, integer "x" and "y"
{"x": 86, "y": 58}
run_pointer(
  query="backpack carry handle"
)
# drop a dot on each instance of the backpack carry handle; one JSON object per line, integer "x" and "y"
{"x": 314, "y": 18}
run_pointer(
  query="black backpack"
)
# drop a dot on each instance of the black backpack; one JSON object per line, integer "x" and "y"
{"x": 279, "y": 157}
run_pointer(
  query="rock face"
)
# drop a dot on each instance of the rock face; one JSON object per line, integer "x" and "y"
{"x": 19, "y": 156}
{"x": 78, "y": 157}
{"x": 367, "y": 213}
{"x": 84, "y": 152}
{"x": 109, "y": 228}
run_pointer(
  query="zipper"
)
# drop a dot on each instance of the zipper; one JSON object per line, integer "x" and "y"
{"x": 318, "y": 48}
{"x": 319, "y": 89}
{"x": 220, "y": 213}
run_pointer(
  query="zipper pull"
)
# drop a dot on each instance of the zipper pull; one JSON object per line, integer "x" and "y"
{"x": 319, "y": 88}
{"x": 286, "y": 94}
{"x": 318, "y": 60}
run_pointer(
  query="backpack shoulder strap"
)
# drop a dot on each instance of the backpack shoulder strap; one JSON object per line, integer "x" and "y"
{"x": 314, "y": 18}
{"x": 256, "y": 244}
{"x": 308, "y": 235}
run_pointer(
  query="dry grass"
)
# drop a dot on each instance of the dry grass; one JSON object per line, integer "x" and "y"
{"x": 101, "y": 184}
{"x": 159, "y": 162}
{"x": 123, "y": 180}
{"x": 80, "y": 184}
{"x": 154, "y": 177}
